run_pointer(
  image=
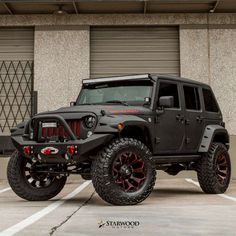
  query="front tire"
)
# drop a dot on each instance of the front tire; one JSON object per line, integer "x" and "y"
{"x": 214, "y": 170}
{"x": 123, "y": 172}
{"x": 28, "y": 185}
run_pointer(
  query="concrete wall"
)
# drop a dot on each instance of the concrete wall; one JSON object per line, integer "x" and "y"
{"x": 223, "y": 72}
{"x": 110, "y": 19}
{"x": 194, "y": 62}
{"x": 209, "y": 55}
{"x": 61, "y": 62}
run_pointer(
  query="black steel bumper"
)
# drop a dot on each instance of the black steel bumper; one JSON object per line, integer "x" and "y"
{"x": 82, "y": 146}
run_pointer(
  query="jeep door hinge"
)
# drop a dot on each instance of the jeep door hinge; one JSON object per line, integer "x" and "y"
{"x": 157, "y": 140}
{"x": 156, "y": 120}
{"x": 187, "y": 140}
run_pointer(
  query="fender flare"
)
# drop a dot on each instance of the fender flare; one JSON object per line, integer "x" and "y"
{"x": 210, "y": 132}
{"x": 19, "y": 129}
{"x": 108, "y": 124}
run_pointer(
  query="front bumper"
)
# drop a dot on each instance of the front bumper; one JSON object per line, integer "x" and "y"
{"x": 82, "y": 146}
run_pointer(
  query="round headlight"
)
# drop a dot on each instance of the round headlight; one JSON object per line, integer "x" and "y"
{"x": 89, "y": 122}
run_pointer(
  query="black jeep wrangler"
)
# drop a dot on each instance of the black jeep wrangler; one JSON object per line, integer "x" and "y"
{"x": 118, "y": 133}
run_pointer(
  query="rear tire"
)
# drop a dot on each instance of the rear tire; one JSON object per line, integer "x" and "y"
{"x": 30, "y": 186}
{"x": 123, "y": 172}
{"x": 214, "y": 170}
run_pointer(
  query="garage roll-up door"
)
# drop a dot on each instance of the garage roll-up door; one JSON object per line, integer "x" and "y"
{"x": 134, "y": 50}
{"x": 16, "y": 76}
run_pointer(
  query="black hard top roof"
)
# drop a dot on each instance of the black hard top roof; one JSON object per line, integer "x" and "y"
{"x": 142, "y": 77}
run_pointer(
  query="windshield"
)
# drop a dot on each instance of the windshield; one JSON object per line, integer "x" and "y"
{"x": 128, "y": 92}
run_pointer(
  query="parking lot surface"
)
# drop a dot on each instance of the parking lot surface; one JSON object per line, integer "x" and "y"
{"x": 176, "y": 207}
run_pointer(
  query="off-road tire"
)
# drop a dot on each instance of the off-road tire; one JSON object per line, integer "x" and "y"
{"x": 86, "y": 176}
{"x": 103, "y": 180}
{"x": 207, "y": 170}
{"x": 23, "y": 189}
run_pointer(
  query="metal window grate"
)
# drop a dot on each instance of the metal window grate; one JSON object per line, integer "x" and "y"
{"x": 16, "y": 93}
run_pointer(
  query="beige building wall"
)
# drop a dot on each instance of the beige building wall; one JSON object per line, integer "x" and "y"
{"x": 222, "y": 44}
{"x": 61, "y": 62}
{"x": 194, "y": 61}
{"x": 209, "y": 55}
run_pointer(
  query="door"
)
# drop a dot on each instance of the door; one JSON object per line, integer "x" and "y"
{"x": 134, "y": 50}
{"x": 170, "y": 128}
{"x": 194, "y": 120}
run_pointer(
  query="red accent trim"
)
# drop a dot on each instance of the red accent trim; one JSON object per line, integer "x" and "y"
{"x": 124, "y": 111}
{"x": 47, "y": 151}
{"x": 60, "y": 133}
{"x": 65, "y": 134}
{"x": 49, "y": 132}
{"x": 27, "y": 150}
{"x": 54, "y": 131}
{"x": 71, "y": 150}
{"x": 44, "y": 133}
{"x": 77, "y": 129}
{"x": 222, "y": 168}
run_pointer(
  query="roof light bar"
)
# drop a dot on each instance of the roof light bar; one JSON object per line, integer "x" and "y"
{"x": 116, "y": 78}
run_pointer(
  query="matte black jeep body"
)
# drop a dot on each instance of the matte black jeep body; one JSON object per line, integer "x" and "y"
{"x": 118, "y": 132}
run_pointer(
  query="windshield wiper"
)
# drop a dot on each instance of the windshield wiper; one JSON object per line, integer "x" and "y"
{"x": 118, "y": 102}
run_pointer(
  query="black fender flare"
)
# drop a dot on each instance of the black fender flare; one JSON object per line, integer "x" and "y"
{"x": 19, "y": 129}
{"x": 109, "y": 124}
{"x": 208, "y": 136}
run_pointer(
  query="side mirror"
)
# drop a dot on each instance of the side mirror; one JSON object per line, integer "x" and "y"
{"x": 166, "y": 101}
{"x": 147, "y": 101}
{"x": 72, "y": 104}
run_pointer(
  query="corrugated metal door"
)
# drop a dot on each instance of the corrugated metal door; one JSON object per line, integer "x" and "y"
{"x": 16, "y": 76}
{"x": 134, "y": 50}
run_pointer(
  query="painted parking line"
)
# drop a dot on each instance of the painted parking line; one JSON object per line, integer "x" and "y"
{"x": 4, "y": 190}
{"x": 40, "y": 214}
{"x": 220, "y": 195}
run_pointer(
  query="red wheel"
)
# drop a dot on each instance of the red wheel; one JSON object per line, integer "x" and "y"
{"x": 129, "y": 171}
{"x": 214, "y": 169}
{"x": 123, "y": 173}
{"x": 222, "y": 169}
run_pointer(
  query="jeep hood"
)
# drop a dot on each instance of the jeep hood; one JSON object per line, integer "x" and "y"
{"x": 101, "y": 109}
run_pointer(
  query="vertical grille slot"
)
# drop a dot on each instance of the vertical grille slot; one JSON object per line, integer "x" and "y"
{"x": 60, "y": 133}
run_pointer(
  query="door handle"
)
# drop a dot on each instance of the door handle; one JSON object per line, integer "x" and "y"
{"x": 199, "y": 119}
{"x": 187, "y": 121}
{"x": 179, "y": 117}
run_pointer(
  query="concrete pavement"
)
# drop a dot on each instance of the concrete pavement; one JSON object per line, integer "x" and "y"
{"x": 176, "y": 207}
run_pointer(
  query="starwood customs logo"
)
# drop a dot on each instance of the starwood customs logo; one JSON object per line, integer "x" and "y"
{"x": 116, "y": 224}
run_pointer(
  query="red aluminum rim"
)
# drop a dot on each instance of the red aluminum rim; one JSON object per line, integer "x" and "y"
{"x": 129, "y": 171}
{"x": 222, "y": 168}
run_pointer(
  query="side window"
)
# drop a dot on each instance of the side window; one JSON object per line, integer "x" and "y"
{"x": 191, "y": 95}
{"x": 209, "y": 100}
{"x": 168, "y": 89}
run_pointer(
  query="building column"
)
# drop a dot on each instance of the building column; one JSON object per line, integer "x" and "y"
{"x": 194, "y": 61}
{"x": 61, "y": 62}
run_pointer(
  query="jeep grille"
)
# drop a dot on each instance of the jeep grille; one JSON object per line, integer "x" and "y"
{"x": 59, "y": 133}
